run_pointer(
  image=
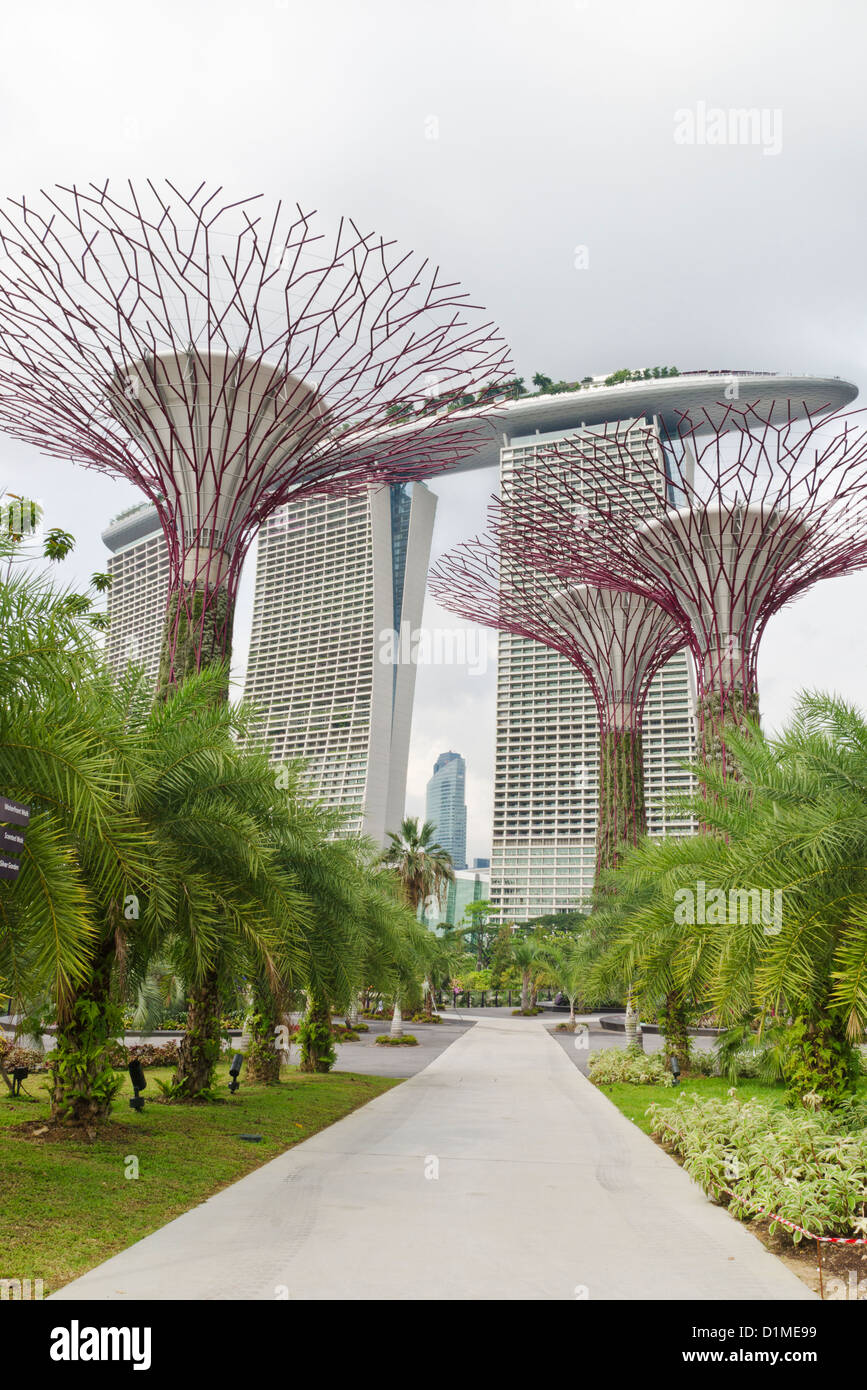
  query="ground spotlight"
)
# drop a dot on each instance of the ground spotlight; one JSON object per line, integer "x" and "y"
{"x": 675, "y": 1070}
{"x": 139, "y": 1081}
{"x": 19, "y": 1074}
{"x": 235, "y": 1071}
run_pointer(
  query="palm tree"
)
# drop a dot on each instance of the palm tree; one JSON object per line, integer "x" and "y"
{"x": 422, "y": 866}
{"x": 525, "y": 955}
{"x": 793, "y": 824}
{"x": 82, "y": 851}
{"x": 424, "y": 870}
{"x": 565, "y": 965}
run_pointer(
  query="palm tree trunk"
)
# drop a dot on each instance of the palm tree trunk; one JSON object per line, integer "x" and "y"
{"x": 263, "y": 1059}
{"x": 199, "y": 1051}
{"x": 632, "y": 1024}
{"x": 315, "y": 1036}
{"x": 84, "y": 1082}
{"x": 675, "y": 1031}
{"x": 572, "y": 1011}
{"x": 352, "y": 1012}
{"x": 525, "y": 990}
{"x": 397, "y": 1019}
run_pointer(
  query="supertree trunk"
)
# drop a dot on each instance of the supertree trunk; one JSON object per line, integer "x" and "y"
{"x": 197, "y": 632}
{"x": 719, "y": 712}
{"x": 622, "y": 818}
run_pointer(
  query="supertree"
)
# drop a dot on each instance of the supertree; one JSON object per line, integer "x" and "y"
{"x": 226, "y": 359}
{"x": 720, "y": 523}
{"x": 617, "y": 641}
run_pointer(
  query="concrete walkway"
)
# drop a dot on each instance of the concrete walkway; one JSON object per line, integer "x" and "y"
{"x": 544, "y": 1191}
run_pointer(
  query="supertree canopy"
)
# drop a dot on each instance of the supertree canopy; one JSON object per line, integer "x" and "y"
{"x": 618, "y": 641}
{"x": 727, "y": 524}
{"x": 227, "y": 359}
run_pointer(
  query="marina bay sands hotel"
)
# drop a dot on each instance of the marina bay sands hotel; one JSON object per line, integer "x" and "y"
{"x": 333, "y": 575}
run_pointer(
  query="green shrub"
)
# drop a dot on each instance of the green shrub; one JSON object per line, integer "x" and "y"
{"x": 476, "y": 980}
{"x": 149, "y": 1054}
{"x": 386, "y": 1040}
{"x": 703, "y": 1063}
{"x": 13, "y": 1056}
{"x": 316, "y": 1041}
{"x": 627, "y": 1064}
{"x": 820, "y": 1059}
{"x": 526, "y": 1013}
{"x": 757, "y": 1158}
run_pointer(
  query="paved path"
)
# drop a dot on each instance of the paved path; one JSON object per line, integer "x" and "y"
{"x": 544, "y": 1191}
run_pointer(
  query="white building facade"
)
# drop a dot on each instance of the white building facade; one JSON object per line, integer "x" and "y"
{"x": 139, "y": 569}
{"x": 337, "y": 579}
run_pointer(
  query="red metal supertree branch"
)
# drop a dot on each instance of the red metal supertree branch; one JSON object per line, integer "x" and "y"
{"x": 720, "y": 526}
{"x": 617, "y": 641}
{"x": 226, "y": 360}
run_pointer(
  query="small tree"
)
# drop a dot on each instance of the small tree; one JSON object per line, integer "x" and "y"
{"x": 525, "y": 954}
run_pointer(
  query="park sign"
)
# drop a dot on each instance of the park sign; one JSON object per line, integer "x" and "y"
{"x": 13, "y": 815}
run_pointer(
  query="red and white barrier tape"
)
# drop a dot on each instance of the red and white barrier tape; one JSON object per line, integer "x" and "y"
{"x": 793, "y": 1225}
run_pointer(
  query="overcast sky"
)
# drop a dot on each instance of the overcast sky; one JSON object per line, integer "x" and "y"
{"x": 534, "y": 148}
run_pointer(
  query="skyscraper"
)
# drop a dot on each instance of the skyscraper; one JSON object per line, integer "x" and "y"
{"x": 337, "y": 579}
{"x": 445, "y": 805}
{"x": 139, "y": 569}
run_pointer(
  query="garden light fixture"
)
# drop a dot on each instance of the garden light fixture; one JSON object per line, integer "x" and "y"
{"x": 139, "y": 1082}
{"x": 235, "y": 1071}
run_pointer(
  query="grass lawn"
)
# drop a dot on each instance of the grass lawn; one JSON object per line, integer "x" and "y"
{"x": 66, "y": 1206}
{"x": 634, "y": 1100}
